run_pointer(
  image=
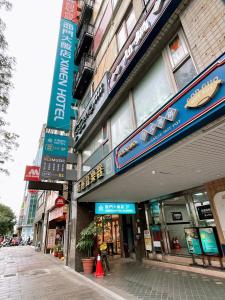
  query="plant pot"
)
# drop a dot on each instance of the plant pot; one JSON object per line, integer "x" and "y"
{"x": 88, "y": 264}
{"x": 60, "y": 254}
{"x": 56, "y": 254}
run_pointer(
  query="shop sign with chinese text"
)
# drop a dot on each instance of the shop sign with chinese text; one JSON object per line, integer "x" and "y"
{"x": 61, "y": 94}
{"x": 96, "y": 176}
{"x": 54, "y": 157}
{"x": 202, "y": 101}
{"x": 102, "y": 208}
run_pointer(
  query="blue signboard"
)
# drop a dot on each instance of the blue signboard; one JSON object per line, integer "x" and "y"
{"x": 61, "y": 95}
{"x": 55, "y": 145}
{"x": 155, "y": 209}
{"x": 202, "y": 101}
{"x": 208, "y": 240}
{"x": 114, "y": 208}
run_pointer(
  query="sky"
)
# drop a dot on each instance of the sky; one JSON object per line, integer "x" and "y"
{"x": 32, "y": 29}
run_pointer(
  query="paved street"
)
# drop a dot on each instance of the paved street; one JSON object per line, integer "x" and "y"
{"x": 26, "y": 274}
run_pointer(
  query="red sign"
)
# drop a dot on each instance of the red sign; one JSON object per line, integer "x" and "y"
{"x": 60, "y": 201}
{"x": 32, "y": 173}
{"x": 69, "y": 10}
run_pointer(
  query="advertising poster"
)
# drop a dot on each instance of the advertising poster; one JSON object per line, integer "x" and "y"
{"x": 51, "y": 238}
{"x": 193, "y": 241}
{"x": 148, "y": 240}
{"x": 208, "y": 241}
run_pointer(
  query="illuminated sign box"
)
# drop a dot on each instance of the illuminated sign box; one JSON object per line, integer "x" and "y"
{"x": 115, "y": 208}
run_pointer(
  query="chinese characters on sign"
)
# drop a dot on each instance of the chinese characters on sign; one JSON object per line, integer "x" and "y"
{"x": 69, "y": 10}
{"x": 102, "y": 208}
{"x": 55, "y": 151}
{"x": 91, "y": 178}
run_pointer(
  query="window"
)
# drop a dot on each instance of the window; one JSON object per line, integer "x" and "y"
{"x": 152, "y": 91}
{"x": 121, "y": 124}
{"x": 121, "y": 37}
{"x": 125, "y": 29}
{"x": 130, "y": 22}
{"x": 114, "y": 2}
{"x": 181, "y": 61}
{"x": 93, "y": 146}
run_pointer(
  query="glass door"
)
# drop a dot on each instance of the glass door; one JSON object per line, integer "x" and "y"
{"x": 176, "y": 216}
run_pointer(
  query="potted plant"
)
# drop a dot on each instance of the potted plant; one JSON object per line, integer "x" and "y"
{"x": 85, "y": 245}
{"x": 60, "y": 252}
{"x": 56, "y": 250}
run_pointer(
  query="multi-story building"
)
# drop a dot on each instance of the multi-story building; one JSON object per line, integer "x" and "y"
{"x": 150, "y": 128}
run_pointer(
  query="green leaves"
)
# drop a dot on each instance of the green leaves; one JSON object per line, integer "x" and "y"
{"x": 7, "y": 220}
{"x": 8, "y": 140}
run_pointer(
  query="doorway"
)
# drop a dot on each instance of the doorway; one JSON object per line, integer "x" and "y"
{"x": 176, "y": 216}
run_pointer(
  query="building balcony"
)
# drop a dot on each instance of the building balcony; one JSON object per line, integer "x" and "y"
{"x": 83, "y": 76}
{"x": 86, "y": 38}
{"x": 85, "y": 15}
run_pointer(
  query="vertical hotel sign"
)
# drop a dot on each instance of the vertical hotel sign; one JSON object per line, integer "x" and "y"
{"x": 61, "y": 94}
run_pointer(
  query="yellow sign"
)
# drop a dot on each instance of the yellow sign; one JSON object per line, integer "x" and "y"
{"x": 128, "y": 148}
{"x": 205, "y": 94}
{"x": 91, "y": 178}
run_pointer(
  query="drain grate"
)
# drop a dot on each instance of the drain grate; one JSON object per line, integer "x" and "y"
{"x": 9, "y": 275}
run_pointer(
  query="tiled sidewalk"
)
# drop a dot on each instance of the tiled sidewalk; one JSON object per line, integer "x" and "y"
{"x": 146, "y": 281}
{"x": 26, "y": 274}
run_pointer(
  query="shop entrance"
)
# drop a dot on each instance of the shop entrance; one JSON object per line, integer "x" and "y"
{"x": 110, "y": 234}
{"x": 176, "y": 215}
{"x": 170, "y": 217}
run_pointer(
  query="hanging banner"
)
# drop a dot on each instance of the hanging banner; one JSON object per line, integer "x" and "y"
{"x": 61, "y": 94}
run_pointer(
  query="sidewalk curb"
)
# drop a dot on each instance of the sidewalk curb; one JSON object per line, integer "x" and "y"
{"x": 107, "y": 291}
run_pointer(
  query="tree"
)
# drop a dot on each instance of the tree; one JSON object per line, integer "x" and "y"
{"x": 8, "y": 140}
{"x": 7, "y": 220}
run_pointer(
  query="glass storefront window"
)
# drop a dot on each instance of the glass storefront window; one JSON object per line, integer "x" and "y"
{"x": 152, "y": 92}
{"x": 121, "y": 124}
{"x": 202, "y": 209}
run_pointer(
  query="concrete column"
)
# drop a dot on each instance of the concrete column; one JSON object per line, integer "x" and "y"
{"x": 81, "y": 216}
{"x": 139, "y": 225}
{"x": 213, "y": 188}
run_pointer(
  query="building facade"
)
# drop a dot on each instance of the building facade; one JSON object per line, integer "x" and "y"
{"x": 150, "y": 128}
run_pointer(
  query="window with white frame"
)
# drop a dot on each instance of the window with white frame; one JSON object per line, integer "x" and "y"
{"x": 125, "y": 29}
{"x": 92, "y": 146}
{"x": 121, "y": 123}
{"x": 180, "y": 60}
{"x": 152, "y": 92}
